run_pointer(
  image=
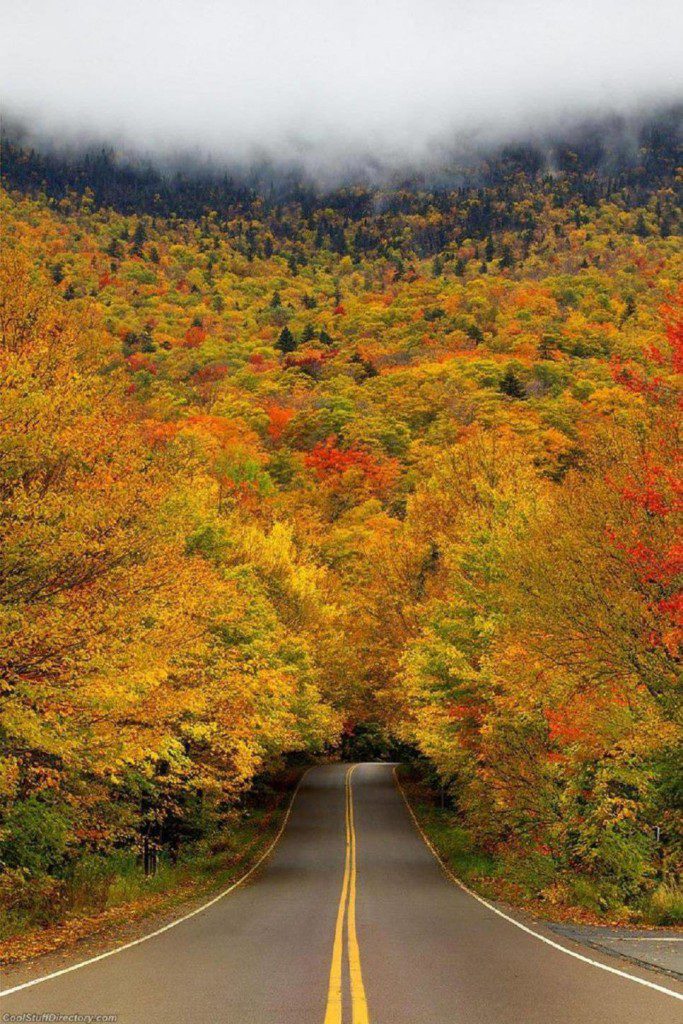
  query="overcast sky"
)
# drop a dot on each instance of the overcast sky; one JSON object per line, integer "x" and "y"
{"x": 329, "y": 80}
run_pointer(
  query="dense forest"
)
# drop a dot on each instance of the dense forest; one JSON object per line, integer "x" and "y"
{"x": 283, "y": 467}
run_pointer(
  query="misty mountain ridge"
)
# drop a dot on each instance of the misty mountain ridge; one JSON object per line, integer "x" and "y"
{"x": 596, "y": 158}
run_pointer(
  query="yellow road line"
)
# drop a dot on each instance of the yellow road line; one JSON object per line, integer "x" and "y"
{"x": 333, "y": 1013}
{"x": 358, "y": 1000}
{"x": 334, "y": 1009}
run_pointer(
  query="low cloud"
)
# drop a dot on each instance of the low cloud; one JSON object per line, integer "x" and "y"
{"x": 328, "y": 85}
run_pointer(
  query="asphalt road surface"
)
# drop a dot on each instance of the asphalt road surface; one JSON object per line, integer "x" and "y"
{"x": 352, "y": 921}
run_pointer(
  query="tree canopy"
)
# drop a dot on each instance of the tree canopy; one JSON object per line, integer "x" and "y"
{"x": 273, "y": 471}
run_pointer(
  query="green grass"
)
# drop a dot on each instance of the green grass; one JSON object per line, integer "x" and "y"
{"x": 454, "y": 843}
{"x": 666, "y": 905}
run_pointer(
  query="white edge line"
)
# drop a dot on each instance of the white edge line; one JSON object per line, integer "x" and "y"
{"x": 549, "y": 942}
{"x": 172, "y": 924}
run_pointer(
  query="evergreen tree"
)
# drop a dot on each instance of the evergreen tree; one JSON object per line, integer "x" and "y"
{"x": 506, "y": 258}
{"x": 629, "y": 309}
{"x": 139, "y": 238}
{"x": 286, "y": 342}
{"x": 641, "y": 229}
{"x": 511, "y": 385}
{"x": 145, "y": 339}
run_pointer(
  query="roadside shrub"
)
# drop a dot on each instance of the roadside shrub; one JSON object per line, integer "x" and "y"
{"x": 35, "y": 837}
{"x": 92, "y": 878}
{"x": 666, "y": 905}
{"x": 27, "y": 900}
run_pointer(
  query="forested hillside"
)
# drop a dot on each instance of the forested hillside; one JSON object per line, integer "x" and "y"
{"x": 277, "y": 467}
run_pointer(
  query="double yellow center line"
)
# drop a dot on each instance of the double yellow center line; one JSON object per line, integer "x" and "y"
{"x": 347, "y": 902}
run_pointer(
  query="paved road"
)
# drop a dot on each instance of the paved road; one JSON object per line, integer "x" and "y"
{"x": 657, "y": 948}
{"x": 351, "y": 921}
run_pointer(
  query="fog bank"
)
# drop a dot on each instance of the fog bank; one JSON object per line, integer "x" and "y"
{"x": 328, "y": 85}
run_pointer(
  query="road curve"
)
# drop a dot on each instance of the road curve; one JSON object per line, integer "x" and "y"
{"x": 351, "y": 921}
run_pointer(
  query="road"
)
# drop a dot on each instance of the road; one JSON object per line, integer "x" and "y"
{"x": 352, "y": 921}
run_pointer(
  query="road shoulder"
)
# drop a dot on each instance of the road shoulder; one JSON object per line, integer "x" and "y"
{"x": 658, "y": 950}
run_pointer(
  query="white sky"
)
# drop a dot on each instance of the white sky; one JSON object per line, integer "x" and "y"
{"x": 330, "y": 80}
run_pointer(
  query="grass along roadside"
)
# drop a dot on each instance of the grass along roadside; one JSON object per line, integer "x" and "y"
{"x": 109, "y": 893}
{"x": 531, "y": 882}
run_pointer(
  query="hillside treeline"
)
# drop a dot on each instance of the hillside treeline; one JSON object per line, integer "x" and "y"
{"x": 273, "y": 474}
